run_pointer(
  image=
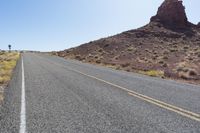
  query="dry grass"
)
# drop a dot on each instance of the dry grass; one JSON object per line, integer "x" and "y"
{"x": 153, "y": 73}
{"x": 7, "y": 63}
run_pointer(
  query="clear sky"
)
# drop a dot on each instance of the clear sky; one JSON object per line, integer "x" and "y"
{"x": 48, "y": 25}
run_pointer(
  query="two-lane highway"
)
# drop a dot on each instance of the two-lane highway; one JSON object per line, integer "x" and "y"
{"x": 49, "y": 94}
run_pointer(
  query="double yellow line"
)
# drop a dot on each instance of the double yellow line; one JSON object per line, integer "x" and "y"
{"x": 159, "y": 103}
{"x": 178, "y": 110}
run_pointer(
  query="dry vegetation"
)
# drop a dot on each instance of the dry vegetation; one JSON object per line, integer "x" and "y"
{"x": 7, "y": 63}
{"x": 153, "y": 73}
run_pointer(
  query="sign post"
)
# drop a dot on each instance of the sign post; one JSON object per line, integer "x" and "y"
{"x": 9, "y": 46}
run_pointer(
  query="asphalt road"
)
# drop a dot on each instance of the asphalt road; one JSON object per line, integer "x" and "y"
{"x": 48, "y": 94}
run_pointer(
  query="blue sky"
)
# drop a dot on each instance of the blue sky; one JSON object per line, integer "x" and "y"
{"x": 48, "y": 25}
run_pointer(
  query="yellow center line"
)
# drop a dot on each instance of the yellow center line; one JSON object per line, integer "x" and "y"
{"x": 159, "y": 103}
{"x": 177, "y": 110}
{"x": 181, "y": 111}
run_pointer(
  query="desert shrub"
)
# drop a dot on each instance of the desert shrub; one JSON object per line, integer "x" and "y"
{"x": 100, "y": 50}
{"x": 116, "y": 57}
{"x": 165, "y": 52}
{"x": 106, "y": 45}
{"x": 153, "y": 73}
{"x": 118, "y": 68}
{"x": 78, "y": 57}
{"x": 125, "y": 64}
{"x": 165, "y": 57}
{"x": 155, "y": 52}
{"x": 130, "y": 49}
{"x": 192, "y": 72}
{"x": 98, "y": 61}
{"x": 165, "y": 65}
{"x": 173, "y": 50}
{"x": 154, "y": 58}
{"x": 185, "y": 47}
{"x": 190, "y": 58}
{"x": 161, "y": 62}
{"x": 96, "y": 56}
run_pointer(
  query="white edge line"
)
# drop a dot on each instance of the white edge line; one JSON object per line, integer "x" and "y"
{"x": 23, "y": 104}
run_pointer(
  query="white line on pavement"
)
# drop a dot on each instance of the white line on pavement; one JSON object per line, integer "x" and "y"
{"x": 23, "y": 104}
{"x": 1, "y": 89}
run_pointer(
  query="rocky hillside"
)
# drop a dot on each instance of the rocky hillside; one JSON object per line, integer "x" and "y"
{"x": 169, "y": 47}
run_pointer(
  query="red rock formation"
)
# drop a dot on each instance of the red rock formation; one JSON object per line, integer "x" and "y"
{"x": 172, "y": 13}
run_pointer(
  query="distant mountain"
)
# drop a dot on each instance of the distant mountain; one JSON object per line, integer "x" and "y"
{"x": 169, "y": 46}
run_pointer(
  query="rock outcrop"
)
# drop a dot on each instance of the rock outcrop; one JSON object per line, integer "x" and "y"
{"x": 198, "y": 24}
{"x": 172, "y": 13}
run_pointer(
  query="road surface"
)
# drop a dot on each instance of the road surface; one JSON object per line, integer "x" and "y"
{"x": 48, "y": 94}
